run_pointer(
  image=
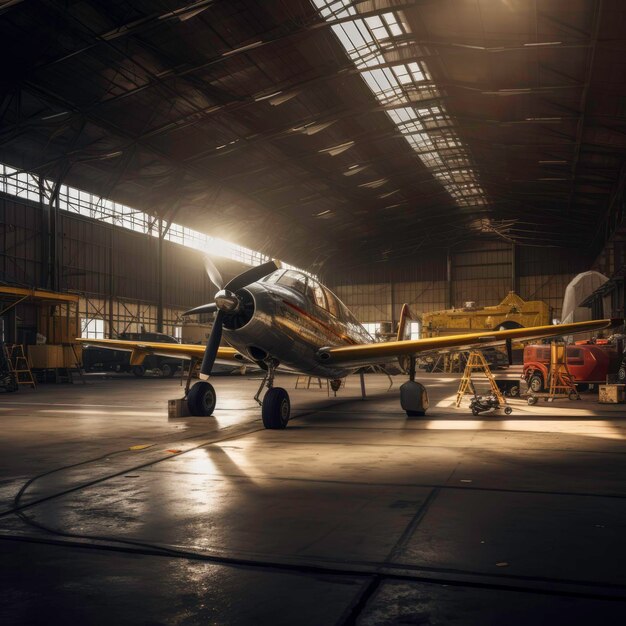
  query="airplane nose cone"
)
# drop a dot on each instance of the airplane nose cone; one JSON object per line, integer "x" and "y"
{"x": 227, "y": 301}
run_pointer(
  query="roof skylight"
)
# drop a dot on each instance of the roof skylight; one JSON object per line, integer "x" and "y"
{"x": 405, "y": 89}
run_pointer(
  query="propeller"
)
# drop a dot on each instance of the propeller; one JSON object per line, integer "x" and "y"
{"x": 227, "y": 303}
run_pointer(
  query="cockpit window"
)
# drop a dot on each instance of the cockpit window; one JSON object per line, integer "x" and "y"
{"x": 295, "y": 280}
{"x": 318, "y": 294}
{"x": 333, "y": 305}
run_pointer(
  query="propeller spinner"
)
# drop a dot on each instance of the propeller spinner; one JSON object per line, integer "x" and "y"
{"x": 226, "y": 303}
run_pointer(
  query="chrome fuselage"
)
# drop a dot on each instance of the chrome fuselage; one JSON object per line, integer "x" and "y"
{"x": 289, "y": 327}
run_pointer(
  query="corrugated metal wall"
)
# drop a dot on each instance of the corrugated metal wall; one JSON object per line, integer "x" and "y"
{"x": 483, "y": 275}
{"x": 116, "y": 269}
{"x": 120, "y": 266}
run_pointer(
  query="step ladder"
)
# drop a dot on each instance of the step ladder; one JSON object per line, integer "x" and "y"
{"x": 20, "y": 366}
{"x": 476, "y": 363}
{"x": 561, "y": 381}
{"x": 8, "y": 379}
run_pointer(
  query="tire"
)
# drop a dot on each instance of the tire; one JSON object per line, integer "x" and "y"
{"x": 167, "y": 370}
{"x": 536, "y": 383}
{"x": 416, "y": 413}
{"x": 621, "y": 374}
{"x": 508, "y": 410}
{"x": 201, "y": 399}
{"x": 532, "y": 400}
{"x": 573, "y": 395}
{"x": 276, "y": 409}
{"x": 138, "y": 370}
{"x": 514, "y": 391}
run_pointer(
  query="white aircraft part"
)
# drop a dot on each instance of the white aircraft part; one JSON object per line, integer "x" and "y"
{"x": 578, "y": 290}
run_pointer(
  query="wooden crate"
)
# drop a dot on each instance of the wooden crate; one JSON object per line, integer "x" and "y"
{"x": 69, "y": 360}
{"x": 45, "y": 357}
{"x": 177, "y": 408}
{"x": 611, "y": 394}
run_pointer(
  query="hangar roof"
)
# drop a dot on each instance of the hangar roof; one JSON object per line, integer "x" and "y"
{"x": 327, "y": 130}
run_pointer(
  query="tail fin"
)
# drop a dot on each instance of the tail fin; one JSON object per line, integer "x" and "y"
{"x": 405, "y": 316}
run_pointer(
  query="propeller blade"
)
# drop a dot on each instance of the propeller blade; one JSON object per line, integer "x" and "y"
{"x": 213, "y": 272}
{"x": 210, "y": 352}
{"x": 204, "y": 308}
{"x": 252, "y": 275}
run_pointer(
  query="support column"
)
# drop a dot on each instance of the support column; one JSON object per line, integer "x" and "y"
{"x": 450, "y": 288}
{"x": 514, "y": 272}
{"x": 160, "y": 277}
{"x": 111, "y": 285}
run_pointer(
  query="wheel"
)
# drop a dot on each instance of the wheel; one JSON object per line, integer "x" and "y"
{"x": 138, "y": 370}
{"x": 536, "y": 383}
{"x": 532, "y": 400}
{"x": 416, "y": 413}
{"x": 573, "y": 396}
{"x": 167, "y": 371}
{"x": 514, "y": 391}
{"x": 508, "y": 410}
{"x": 276, "y": 408}
{"x": 201, "y": 399}
{"x": 475, "y": 412}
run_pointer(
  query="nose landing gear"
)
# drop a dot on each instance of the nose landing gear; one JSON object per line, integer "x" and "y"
{"x": 275, "y": 407}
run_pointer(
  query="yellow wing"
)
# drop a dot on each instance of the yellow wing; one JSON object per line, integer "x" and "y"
{"x": 141, "y": 349}
{"x": 378, "y": 352}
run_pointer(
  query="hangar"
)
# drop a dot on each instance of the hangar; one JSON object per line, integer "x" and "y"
{"x": 312, "y": 312}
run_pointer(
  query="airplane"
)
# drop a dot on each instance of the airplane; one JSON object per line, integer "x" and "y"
{"x": 276, "y": 317}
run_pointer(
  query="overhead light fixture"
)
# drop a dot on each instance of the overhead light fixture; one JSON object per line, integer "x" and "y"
{"x": 250, "y": 46}
{"x": 354, "y": 169}
{"x": 374, "y": 184}
{"x": 313, "y": 128}
{"x": 543, "y": 43}
{"x": 335, "y": 150}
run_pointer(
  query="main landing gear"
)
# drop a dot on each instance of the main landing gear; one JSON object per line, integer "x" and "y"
{"x": 413, "y": 395}
{"x": 275, "y": 407}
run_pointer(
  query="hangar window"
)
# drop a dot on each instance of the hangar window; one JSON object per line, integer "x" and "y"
{"x": 92, "y": 328}
{"x": 414, "y": 330}
{"x": 373, "y": 328}
{"x": 367, "y": 42}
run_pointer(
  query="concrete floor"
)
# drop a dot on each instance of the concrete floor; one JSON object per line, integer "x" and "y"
{"x": 352, "y": 515}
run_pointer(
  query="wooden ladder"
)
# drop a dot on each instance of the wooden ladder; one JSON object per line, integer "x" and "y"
{"x": 561, "y": 381}
{"x": 476, "y": 362}
{"x": 20, "y": 366}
